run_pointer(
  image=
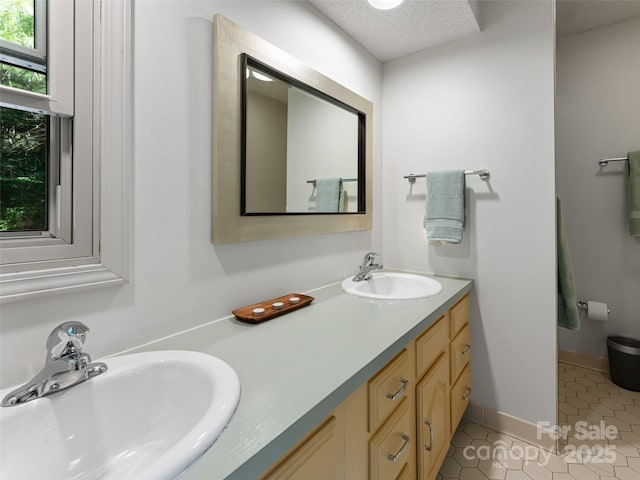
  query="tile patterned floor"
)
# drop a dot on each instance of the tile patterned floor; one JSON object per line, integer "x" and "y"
{"x": 602, "y": 441}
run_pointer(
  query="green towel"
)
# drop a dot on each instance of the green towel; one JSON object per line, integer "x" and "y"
{"x": 634, "y": 193}
{"x": 444, "y": 211}
{"x": 328, "y": 192}
{"x": 568, "y": 316}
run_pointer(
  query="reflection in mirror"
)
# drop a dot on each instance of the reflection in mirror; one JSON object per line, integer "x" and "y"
{"x": 302, "y": 151}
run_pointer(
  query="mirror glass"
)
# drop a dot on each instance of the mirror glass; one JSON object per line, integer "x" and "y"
{"x": 303, "y": 151}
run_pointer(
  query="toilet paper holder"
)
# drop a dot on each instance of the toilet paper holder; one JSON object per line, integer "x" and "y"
{"x": 585, "y": 306}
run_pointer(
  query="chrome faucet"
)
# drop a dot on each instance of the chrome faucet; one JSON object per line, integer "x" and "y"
{"x": 367, "y": 267}
{"x": 64, "y": 367}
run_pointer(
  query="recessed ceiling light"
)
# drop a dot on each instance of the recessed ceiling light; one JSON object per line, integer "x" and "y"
{"x": 385, "y": 4}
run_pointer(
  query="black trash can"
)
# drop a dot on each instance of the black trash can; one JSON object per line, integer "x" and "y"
{"x": 624, "y": 362}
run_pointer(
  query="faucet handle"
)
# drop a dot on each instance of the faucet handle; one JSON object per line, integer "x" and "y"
{"x": 368, "y": 258}
{"x": 66, "y": 339}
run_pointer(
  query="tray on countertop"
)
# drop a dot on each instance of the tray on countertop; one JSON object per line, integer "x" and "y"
{"x": 245, "y": 314}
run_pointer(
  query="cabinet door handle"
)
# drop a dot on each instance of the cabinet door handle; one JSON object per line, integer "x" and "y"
{"x": 467, "y": 349}
{"x": 393, "y": 396}
{"x": 466, "y": 396}
{"x": 404, "y": 446}
{"x": 430, "y": 446}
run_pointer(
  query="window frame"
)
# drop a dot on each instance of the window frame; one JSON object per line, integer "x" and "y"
{"x": 98, "y": 254}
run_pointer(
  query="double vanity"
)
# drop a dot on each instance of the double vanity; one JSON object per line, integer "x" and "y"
{"x": 349, "y": 387}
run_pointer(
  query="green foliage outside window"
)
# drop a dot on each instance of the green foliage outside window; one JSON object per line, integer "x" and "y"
{"x": 23, "y": 148}
{"x": 17, "y": 22}
{"x": 23, "y": 171}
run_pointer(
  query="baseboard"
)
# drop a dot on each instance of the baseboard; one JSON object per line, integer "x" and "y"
{"x": 584, "y": 360}
{"x": 524, "y": 430}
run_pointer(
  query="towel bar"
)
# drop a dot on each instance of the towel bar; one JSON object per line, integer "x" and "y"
{"x": 484, "y": 175}
{"x": 605, "y": 161}
{"x": 343, "y": 179}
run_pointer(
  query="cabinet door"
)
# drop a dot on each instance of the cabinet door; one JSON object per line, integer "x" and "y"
{"x": 432, "y": 399}
{"x": 320, "y": 456}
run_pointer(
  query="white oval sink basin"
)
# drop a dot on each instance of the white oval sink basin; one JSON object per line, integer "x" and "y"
{"x": 393, "y": 286}
{"x": 149, "y": 416}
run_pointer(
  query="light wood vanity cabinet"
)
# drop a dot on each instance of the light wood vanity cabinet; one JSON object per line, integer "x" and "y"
{"x": 398, "y": 425}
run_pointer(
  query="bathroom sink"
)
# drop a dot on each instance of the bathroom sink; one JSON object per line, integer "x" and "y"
{"x": 149, "y": 416}
{"x": 393, "y": 286}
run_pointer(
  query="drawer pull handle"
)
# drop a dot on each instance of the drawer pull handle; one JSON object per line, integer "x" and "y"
{"x": 393, "y": 396}
{"x": 466, "y": 396}
{"x": 404, "y": 446}
{"x": 467, "y": 350}
{"x": 430, "y": 446}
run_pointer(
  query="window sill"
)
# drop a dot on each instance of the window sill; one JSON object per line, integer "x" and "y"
{"x": 44, "y": 283}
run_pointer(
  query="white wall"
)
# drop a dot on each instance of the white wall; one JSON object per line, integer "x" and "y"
{"x": 486, "y": 101}
{"x": 597, "y": 105}
{"x": 180, "y": 279}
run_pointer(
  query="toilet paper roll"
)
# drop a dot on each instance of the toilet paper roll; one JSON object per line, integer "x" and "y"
{"x": 597, "y": 311}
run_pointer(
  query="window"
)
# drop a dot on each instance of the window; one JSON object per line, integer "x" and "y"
{"x": 24, "y": 151}
{"x": 64, "y": 150}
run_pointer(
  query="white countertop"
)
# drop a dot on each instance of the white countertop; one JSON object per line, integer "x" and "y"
{"x": 295, "y": 369}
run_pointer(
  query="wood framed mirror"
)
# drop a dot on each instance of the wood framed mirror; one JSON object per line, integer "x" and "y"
{"x": 234, "y": 219}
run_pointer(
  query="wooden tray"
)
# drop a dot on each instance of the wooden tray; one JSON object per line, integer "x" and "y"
{"x": 245, "y": 314}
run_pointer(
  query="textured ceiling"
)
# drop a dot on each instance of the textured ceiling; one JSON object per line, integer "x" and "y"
{"x": 419, "y": 24}
{"x": 576, "y": 16}
{"x": 411, "y": 27}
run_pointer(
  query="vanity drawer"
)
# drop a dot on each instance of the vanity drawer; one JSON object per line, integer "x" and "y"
{"x": 392, "y": 447}
{"x": 431, "y": 344}
{"x": 460, "y": 352}
{"x": 459, "y": 315}
{"x": 388, "y": 388}
{"x": 460, "y": 397}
